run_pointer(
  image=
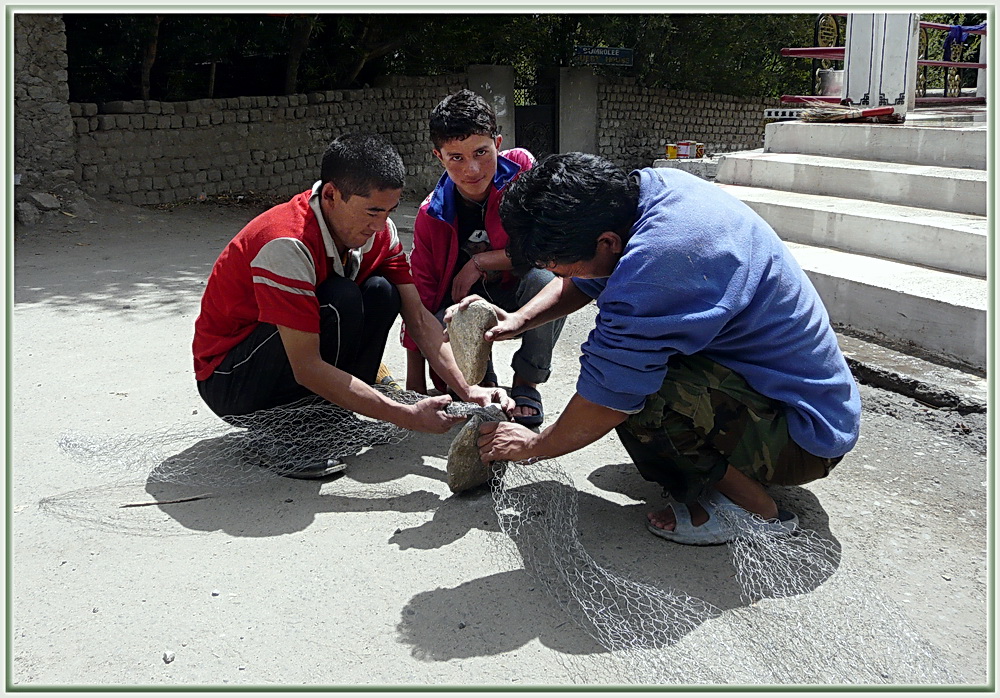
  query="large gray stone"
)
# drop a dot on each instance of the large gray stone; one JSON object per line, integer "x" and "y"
{"x": 465, "y": 332}
{"x": 465, "y": 469}
{"x": 80, "y": 209}
{"x": 26, "y": 213}
{"x": 44, "y": 201}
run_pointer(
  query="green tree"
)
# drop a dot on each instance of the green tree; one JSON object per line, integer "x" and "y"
{"x": 117, "y": 56}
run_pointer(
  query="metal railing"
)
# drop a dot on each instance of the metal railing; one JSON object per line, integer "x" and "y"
{"x": 828, "y": 32}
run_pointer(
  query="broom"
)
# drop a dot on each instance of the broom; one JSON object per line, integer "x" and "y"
{"x": 824, "y": 111}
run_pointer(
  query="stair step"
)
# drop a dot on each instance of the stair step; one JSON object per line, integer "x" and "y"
{"x": 952, "y": 242}
{"x": 942, "y": 145}
{"x": 934, "y": 311}
{"x": 945, "y": 188}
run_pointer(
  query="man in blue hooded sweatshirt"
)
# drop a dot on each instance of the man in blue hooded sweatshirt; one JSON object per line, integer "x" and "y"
{"x": 712, "y": 354}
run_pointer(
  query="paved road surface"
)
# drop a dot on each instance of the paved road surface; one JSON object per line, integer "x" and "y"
{"x": 379, "y": 577}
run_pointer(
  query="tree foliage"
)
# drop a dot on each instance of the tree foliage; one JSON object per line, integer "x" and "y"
{"x": 247, "y": 54}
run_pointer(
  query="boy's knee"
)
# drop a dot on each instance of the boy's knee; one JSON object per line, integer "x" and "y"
{"x": 379, "y": 292}
{"x": 532, "y": 282}
{"x": 339, "y": 292}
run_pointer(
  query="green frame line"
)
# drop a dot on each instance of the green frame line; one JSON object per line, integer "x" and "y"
{"x": 549, "y": 8}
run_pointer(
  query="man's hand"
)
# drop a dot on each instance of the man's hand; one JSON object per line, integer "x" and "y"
{"x": 509, "y": 325}
{"x": 449, "y": 314}
{"x": 464, "y": 280}
{"x": 581, "y": 423}
{"x": 429, "y": 416}
{"x": 491, "y": 396}
{"x": 505, "y": 441}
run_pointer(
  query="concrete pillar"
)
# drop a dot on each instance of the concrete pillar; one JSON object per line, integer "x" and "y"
{"x": 496, "y": 84}
{"x": 880, "y": 61}
{"x": 982, "y": 79}
{"x": 577, "y": 110}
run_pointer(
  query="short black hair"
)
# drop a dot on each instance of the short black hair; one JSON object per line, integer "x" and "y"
{"x": 554, "y": 212}
{"x": 463, "y": 114}
{"x": 357, "y": 163}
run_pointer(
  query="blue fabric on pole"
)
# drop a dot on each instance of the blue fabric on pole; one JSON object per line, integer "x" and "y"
{"x": 959, "y": 33}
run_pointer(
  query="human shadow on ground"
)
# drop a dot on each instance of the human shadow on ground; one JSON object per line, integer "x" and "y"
{"x": 208, "y": 486}
{"x": 489, "y": 616}
{"x": 255, "y": 503}
{"x": 504, "y": 610}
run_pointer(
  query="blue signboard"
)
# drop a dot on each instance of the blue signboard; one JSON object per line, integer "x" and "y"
{"x": 603, "y": 55}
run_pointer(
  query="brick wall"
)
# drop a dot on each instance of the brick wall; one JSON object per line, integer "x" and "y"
{"x": 635, "y": 123}
{"x": 159, "y": 152}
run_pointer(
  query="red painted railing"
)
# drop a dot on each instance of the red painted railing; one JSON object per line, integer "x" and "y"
{"x": 836, "y": 53}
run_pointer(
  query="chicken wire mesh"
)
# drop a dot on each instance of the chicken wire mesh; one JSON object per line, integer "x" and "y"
{"x": 244, "y": 449}
{"x": 807, "y": 618}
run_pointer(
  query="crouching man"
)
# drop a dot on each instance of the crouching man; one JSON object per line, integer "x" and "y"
{"x": 302, "y": 300}
{"x": 712, "y": 354}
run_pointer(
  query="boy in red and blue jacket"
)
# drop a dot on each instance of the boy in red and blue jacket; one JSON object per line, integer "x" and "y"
{"x": 459, "y": 244}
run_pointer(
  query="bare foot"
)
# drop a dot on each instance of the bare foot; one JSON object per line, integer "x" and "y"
{"x": 664, "y": 519}
{"x": 523, "y": 410}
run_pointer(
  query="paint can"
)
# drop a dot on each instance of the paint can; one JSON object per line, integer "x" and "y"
{"x": 671, "y": 151}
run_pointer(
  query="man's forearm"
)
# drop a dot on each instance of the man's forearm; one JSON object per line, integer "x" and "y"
{"x": 559, "y": 298}
{"x": 492, "y": 260}
{"x": 426, "y": 331}
{"x": 582, "y": 423}
{"x": 430, "y": 339}
{"x": 341, "y": 388}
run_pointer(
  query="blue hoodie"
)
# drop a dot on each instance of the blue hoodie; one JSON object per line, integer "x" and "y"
{"x": 702, "y": 273}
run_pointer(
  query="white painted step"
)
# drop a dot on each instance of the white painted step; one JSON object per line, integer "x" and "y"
{"x": 924, "y": 186}
{"x": 953, "y": 242}
{"x": 940, "y": 313}
{"x": 962, "y": 146}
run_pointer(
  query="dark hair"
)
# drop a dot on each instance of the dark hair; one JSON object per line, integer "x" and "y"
{"x": 554, "y": 212}
{"x": 357, "y": 163}
{"x": 463, "y": 114}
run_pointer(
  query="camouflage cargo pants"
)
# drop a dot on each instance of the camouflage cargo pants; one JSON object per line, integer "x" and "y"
{"x": 706, "y": 417}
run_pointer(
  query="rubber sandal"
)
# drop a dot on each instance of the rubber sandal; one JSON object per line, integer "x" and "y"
{"x": 715, "y": 531}
{"x": 286, "y": 460}
{"x": 384, "y": 377}
{"x": 490, "y": 379}
{"x": 526, "y": 396}
{"x": 315, "y": 471}
{"x": 786, "y": 521}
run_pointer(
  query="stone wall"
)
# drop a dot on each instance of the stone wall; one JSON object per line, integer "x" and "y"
{"x": 147, "y": 152}
{"x": 159, "y": 152}
{"x": 44, "y": 148}
{"x": 634, "y": 124}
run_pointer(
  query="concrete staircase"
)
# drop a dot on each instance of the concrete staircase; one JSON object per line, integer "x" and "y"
{"x": 889, "y": 222}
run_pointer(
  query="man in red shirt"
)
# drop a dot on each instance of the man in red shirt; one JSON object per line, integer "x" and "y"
{"x": 302, "y": 300}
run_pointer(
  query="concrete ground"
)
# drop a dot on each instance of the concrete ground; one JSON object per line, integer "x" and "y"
{"x": 380, "y": 577}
